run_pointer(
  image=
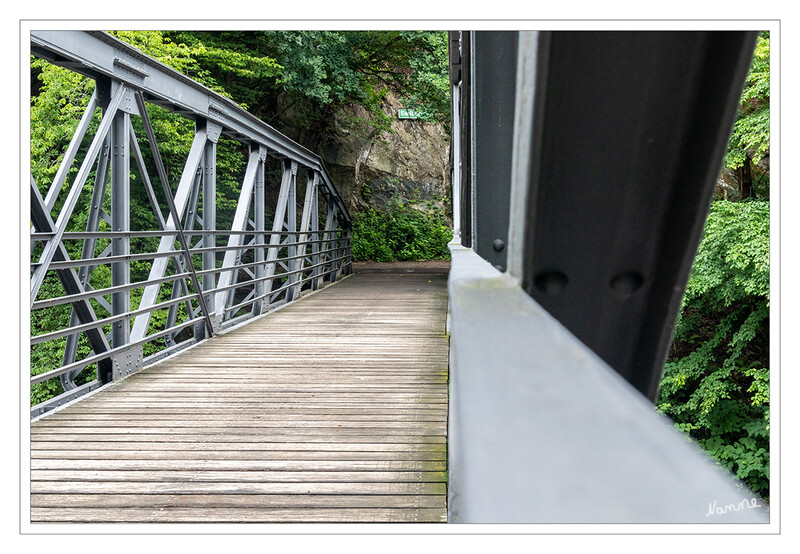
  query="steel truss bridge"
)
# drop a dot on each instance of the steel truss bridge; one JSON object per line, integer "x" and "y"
{"x": 517, "y": 390}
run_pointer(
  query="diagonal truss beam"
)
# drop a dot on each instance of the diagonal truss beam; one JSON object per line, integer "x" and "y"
{"x": 69, "y": 279}
{"x": 84, "y": 272}
{"x": 240, "y": 219}
{"x": 69, "y": 155}
{"x": 159, "y": 267}
{"x": 54, "y": 243}
{"x": 307, "y": 221}
{"x": 174, "y": 214}
{"x": 287, "y": 185}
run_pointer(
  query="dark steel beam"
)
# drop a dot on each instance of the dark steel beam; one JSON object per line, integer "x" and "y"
{"x": 494, "y": 69}
{"x": 627, "y": 138}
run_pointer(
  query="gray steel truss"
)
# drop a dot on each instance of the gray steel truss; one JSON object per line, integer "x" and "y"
{"x": 559, "y": 334}
{"x": 195, "y": 285}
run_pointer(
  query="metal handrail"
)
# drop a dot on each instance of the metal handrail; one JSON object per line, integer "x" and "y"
{"x": 313, "y": 256}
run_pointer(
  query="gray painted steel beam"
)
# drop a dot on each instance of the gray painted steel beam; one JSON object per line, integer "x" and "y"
{"x": 157, "y": 270}
{"x": 240, "y": 218}
{"x": 120, "y": 221}
{"x": 87, "y": 251}
{"x": 209, "y": 218}
{"x": 99, "y": 54}
{"x": 541, "y": 430}
{"x": 306, "y": 221}
{"x": 288, "y": 177}
{"x": 259, "y": 213}
{"x": 69, "y": 155}
{"x": 69, "y": 279}
{"x": 72, "y": 197}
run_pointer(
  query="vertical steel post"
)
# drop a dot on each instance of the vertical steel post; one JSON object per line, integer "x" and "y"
{"x": 260, "y": 214}
{"x": 157, "y": 270}
{"x": 494, "y": 63}
{"x": 209, "y": 218}
{"x": 315, "y": 257}
{"x": 240, "y": 219}
{"x": 291, "y": 237}
{"x": 120, "y": 221}
{"x": 330, "y": 240}
{"x": 305, "y": 223}
{"x": 454, "y": 38}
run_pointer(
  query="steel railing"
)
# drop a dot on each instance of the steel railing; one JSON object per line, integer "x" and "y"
{"x": 137, "y": 295}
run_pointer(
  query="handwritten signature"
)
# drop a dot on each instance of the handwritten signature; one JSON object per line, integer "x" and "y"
{"x": 713, "y": 509}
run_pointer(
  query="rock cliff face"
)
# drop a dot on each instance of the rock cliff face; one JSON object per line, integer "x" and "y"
{"x": 372, "y": 167}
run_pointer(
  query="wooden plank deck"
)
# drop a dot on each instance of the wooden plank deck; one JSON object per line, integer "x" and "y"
{"x": 333, "y": 409}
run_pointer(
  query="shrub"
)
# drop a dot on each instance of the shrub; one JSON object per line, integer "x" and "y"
{"x": 401, "y": 233}
{"x": 716, "y": 382}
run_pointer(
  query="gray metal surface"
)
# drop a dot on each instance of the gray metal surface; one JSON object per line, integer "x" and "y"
{"x": 617, "y": 140}
{"x": 541, "y": 430}
{"x": 201, "y": 300}
{"x": 494, "y": 62}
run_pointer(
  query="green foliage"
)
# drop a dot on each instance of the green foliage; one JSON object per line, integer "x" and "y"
{"x": 750, "y": 136}
{"x": 402, "y": 232}
{"x": 55, "y": 112}
{"x": 716, "y": 382}
{"x": 429, "y": 87}
{"x": 320, "y": 71}
{"x": 316, "y": 72}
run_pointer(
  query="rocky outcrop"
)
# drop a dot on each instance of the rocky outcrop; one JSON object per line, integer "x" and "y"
{"x": 371, "y": 167}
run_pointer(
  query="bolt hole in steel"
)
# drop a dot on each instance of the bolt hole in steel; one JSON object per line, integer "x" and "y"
{"x": 626, "y": 283}
{"x": 550, "y": 282}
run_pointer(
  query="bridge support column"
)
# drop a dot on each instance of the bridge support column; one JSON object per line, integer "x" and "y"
{"x": 291, "y": 237}
{"x": 259, "y": 210}
{"x": 120, "y": 222}
{"x": 306, "y": 223}
{"x": 210, "y": 211}
{"x": 330, "y": 242}
{"x": 315, "y": 245}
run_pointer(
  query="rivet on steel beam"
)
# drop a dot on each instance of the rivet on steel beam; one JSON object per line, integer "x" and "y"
{"x": 498, "y": 245}
{"x": 550, "y": 282}
{"x": 626, "y": 283}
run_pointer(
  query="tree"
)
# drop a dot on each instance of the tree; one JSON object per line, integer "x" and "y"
{"x": 749, "y": 142}
{"x": 716, "y": 382}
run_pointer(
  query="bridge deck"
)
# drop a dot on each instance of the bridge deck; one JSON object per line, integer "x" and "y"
{"x": 332, "y": 409}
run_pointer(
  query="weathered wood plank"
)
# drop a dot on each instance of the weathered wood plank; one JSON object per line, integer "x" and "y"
{"x": 331, "y": 409}
{"x": 239, "y": 515}
{"x": 151, "y": 452}
{"x": 202, "y": 440}
{"x": 239, "y": 446}
{"x": 211, "y": 501}
{"x": 198, "y": 487}
{"x": 234, "y": 476}
{"x": 200, "y": 465}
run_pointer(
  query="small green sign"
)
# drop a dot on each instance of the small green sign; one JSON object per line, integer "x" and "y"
{"x": 404, "y": 113}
